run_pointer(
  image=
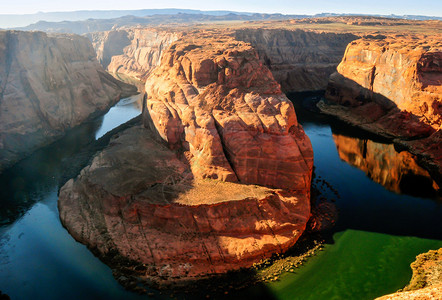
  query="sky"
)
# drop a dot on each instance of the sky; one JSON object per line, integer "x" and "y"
{"x": 386, "y": 7}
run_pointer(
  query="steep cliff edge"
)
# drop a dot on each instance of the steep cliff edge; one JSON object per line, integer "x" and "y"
{"x": 47, "y": 85}
{"x": 221, "y": 181}
{"x": 133, "y": 52}
{"x": 215, "y": 100}
{"x": 299, "y": 60}
{"x": 392, "y": 86}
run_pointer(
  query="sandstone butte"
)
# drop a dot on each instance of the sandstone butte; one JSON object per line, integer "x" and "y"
{"x": 397, "y": 172}
{"x": 218, "y": 180}
{"x": 48, "y": 83}
{"x": 426, "y": 281}
{"x": 392, "y": 86}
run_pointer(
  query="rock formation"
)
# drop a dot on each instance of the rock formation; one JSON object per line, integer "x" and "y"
{"x": 214, "y": 99}
{"x": 426, "y": 282}
{"x": 222, "y": 179}
{"x": 139, "y": 208}
{"x": 396, "y": 171}
{"x": 299, "y": 60}
{"x": 133, "y": 52}
{"x": 392, "y": 86}
{"x": 47, "y": 85}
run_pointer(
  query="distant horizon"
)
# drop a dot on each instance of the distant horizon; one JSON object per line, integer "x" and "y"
{"x": 431, "y": 8}
{"x": 220, "y": 10}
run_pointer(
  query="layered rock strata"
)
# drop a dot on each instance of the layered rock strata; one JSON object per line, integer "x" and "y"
{"x": 47, "y": 85}
{"x": 133, "y": 52}
{"x": 215, "y": 100}
{"x": 220, "y": 181}
{"x": 391, "y": 86}
{"x": 299, "y": 60}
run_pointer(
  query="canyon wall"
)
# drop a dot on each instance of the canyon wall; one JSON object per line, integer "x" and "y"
{"x": 392, "y": 86}
{"x": 47, "y": 85}
{"x": 299, "y": 60}
{"x": 218, "y": 180}
{"x": 133, "y": 52}
{"x": 140, "y": 209}
{"x": 394, "y": 73}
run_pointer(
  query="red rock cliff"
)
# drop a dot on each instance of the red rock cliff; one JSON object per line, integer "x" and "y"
{"x": 214, "y": 99}
{"x": 394, "y": 72}
{"x": 47, "y": 85}
{"x": 393, "y": 86}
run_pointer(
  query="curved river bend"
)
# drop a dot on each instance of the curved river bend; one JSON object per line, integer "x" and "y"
{"x": 388, "y": 212}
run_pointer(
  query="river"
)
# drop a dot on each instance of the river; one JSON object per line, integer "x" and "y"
{"x": 388, "y": 212}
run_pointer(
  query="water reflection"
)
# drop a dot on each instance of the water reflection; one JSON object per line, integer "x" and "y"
{"x": 397, "y": 172}
{"x": 122, "y": 112}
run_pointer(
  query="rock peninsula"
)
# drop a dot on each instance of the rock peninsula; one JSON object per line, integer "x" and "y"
{"x": 217, "y": 179}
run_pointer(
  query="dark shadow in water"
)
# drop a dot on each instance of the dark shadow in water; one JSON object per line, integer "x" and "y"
{"x": 29, "y": 180}
{"x": 366, "y": 205}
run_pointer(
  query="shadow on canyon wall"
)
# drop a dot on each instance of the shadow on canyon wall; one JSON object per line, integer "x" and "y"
{"x": 373, "y": 112}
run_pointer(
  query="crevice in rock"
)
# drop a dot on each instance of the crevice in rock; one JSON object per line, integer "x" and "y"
{"x": 225, "y": 151}
{"x": 9, "y": 50}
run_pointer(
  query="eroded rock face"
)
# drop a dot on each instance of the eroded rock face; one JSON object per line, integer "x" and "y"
{"x": 392, "y": 86}
{"x": 299, "y": 60}
{"x": 214, "y": 99}
{"x": 220, "y": 181}
{"x": 47, "y": 85}
{"x": 394, "y": 73}
{"x": 139, "y": 208}
{"x": 133, "y": 52}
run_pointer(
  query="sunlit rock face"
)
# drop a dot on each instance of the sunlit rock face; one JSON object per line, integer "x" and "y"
{"x": 299, "y": 60}
{"x": 392, "y": 86}
{"x": 218, "y": 180}
{"x": 214, "y": 99}
{"x": 133, "y": 52}
{"x": 47, "y": 85}
{"x": 397, "y": 172}
{"x": 394, "y": 73}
